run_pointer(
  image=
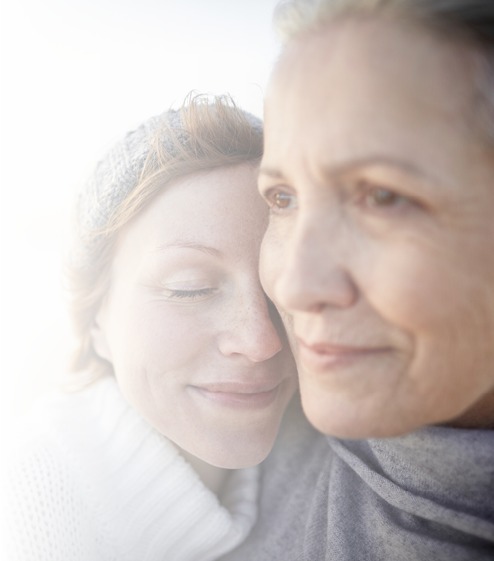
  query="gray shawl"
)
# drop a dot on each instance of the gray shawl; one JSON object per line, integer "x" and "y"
{"x": 425, "y": 496}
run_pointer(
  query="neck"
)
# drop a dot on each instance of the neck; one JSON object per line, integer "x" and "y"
{"x": 213, "y": 477}
{"x": 480, "y": 416}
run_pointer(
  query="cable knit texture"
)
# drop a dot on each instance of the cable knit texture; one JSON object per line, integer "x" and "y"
{"x": 93, "y": 481}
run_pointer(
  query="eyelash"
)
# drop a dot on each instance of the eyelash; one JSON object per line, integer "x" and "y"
{"x": 190, "y": 294}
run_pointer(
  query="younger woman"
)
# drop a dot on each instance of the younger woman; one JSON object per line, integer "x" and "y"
{"x": 185, "y": 365}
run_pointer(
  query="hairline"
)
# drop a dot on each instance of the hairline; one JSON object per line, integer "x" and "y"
{"x": 480, "y": 119}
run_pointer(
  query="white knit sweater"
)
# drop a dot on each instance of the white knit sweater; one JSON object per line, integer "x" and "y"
{"x": 93, "y": 481}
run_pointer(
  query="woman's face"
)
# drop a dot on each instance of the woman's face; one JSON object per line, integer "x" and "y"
{"x": 195, "y": 346}
{"x": 380, "y": 246}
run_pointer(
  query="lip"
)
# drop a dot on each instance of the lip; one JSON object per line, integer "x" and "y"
{"x": 238, "y": 395}
{"x": 323, "y": 357}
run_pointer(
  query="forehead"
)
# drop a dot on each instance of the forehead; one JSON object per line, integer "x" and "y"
{"x": 367, "y": 86}
{"x": 220, "y": 208}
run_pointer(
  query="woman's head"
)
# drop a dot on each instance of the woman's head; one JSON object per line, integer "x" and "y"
{"x": 378, "y": 167}
{"x": 173, "y": 304}
{"x": 203, "y": 135}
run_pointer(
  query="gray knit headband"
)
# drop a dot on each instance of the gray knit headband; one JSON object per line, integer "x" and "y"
{"x": 118, "y": 173}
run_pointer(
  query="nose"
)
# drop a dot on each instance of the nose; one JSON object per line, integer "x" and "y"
{"x": 251, "y": 330}
{"x": 311, "y": 274}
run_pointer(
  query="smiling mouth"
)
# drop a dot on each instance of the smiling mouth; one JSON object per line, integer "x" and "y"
{"x": 238, "y": 396}
{"x": 323, "y": 357}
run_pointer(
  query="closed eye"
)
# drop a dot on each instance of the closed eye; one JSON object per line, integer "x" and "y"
{"x": 190, "y": 294}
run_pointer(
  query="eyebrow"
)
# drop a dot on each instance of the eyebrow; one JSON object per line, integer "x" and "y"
{"x": 270, "y": 172}
{"x": 190, "y": 244}
{"x": 343, "y": 167}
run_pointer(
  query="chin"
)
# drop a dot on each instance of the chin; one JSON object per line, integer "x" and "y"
{"x": 237, "y": 463}
{"x": 237, "y": 459}
{"x": 233, "y": 450}
{"x": 342, "y": 418}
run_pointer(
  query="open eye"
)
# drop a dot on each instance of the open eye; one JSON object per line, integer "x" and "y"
{"x": 279, "y": 200}
{"x": 282, "y": 200}
{"x": 380, "y": 197}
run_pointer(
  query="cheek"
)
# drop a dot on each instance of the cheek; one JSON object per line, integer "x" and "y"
{"x": 445, "y": 305}
{"x": 413, "y": 290}
{"x": 271, "y": 261}
{"x": 157, "y": 340}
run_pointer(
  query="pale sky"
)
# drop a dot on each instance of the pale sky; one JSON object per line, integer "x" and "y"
{"x": 76, "y": 74}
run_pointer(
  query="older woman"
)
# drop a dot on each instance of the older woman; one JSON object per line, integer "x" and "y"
{"x": 379, "y": 170}
{"x": 186, "y": 370}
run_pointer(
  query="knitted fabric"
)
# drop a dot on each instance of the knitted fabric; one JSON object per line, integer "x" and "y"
{"x": 93, "y": 481}
{"x": 426, "y": 496}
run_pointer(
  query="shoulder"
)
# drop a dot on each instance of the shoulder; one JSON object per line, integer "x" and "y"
{"x": 57, "y": 423}
{"x": 42, "y": 423}
{"x": 49, "y": 512}
{"x": 20, "y": 437}
{"x": 44, "y": 510}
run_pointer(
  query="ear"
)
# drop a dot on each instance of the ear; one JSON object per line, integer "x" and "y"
{"x": 99, "y": 339}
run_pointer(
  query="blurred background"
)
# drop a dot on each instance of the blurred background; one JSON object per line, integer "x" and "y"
{"x": 75, "y": 76}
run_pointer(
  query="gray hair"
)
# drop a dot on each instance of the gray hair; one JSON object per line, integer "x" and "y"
{"x": 468, "y": 21}
{"x": 472, "y": 19}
